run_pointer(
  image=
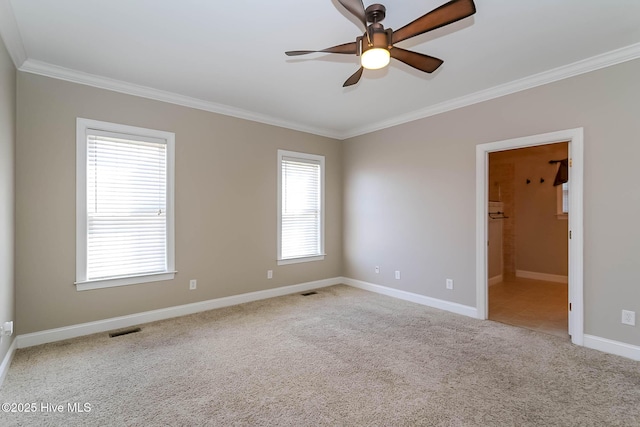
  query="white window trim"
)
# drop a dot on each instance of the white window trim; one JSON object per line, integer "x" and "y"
{"x": 301, "y": 259}
{"x": 82, "y": 125}
{"x": 304, "y": 156}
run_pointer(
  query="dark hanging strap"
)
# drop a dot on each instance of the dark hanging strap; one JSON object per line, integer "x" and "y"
{"x": 563, "y": 171}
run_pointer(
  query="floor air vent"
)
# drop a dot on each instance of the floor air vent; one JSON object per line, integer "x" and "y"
{"x": 124, "y": 332}
{"x": 306, "y": 294}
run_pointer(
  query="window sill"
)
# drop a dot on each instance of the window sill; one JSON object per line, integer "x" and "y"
{"x": 299, "y": 260}
{"x": 124, "y": 281}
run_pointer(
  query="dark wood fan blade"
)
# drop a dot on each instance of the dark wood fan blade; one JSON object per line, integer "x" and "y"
{"x": 356, "y": 7}
{"x": 355, "y": 77}
{"x": 421, "y": 62}
{"x": 446, "y": 14}
{"x": 346, "y": 48}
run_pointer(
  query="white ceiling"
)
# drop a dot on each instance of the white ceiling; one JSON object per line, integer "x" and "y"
{"x": 229, "y": 56}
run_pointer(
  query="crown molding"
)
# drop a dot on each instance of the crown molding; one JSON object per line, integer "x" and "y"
{"x": 604, "y": 60}
{"x": 11, "y": 34}
{"x": 61, "y": 73}
{"x": 594, "y": 63}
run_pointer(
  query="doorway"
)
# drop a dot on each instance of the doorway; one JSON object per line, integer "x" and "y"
{"x": 528, "y": 238}
{"x": 575, "y": 245}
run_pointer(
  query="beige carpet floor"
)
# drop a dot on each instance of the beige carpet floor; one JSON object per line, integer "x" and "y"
{"x": 343, "y": 357}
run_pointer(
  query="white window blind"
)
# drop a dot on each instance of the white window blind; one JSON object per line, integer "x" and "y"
{"x": 301, "y": 211}
{"x": 124, "y": 205}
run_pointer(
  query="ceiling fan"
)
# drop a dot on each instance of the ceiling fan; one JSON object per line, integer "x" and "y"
{"x": 377, "y": 45}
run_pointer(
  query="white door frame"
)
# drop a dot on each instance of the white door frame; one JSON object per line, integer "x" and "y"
{"x": 576, "y": 292}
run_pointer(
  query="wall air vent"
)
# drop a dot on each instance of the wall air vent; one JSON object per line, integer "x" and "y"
{"x": 124, "y": 332}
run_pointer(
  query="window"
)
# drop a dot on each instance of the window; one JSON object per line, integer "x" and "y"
{"x": 562, "y": 200}
{"x": 300, "y": 207}
{"x": 124, "y": 205}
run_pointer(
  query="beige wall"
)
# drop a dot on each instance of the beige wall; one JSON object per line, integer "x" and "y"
{"x": 537, "y": 239}
{"x": 225, "y": 204}
{"x": 7, "y": 160}
{"x": 409, "y": 192}
{"x": 405, "y": 197}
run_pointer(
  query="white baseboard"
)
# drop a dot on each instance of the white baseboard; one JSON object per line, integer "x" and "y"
{"x": 542, "y": 276}
{"x": 409, "y": 296}
{"x": 602, "y": 344}
{"x": 495, "y": 280}
{"x": 73, "y": 331}
{"x": 6, "y": 361}
{"x": 614, "y": 347}
{"x": 27, "y": 340}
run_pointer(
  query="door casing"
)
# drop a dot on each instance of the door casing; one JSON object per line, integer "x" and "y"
{"x": 576, "y": 261}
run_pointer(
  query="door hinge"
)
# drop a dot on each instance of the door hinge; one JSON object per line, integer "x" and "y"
{"x": 569, "y": 306}
{"x": 570, "y": 163}
{"x": 569, "y": 234}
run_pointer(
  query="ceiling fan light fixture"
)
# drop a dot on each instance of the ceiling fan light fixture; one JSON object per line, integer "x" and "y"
{"x": 375, "y": 46}
{"x": 375, "y": 58}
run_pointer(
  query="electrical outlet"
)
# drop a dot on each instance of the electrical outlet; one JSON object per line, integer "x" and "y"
{"x": 397, "y": 274}
{"x": 193, "y": 284}
{"x": 7, "y": 328}
{"x": 628, "y": 317}
{"x": 269, "y": 274}
{"x": 449, "y": 283}
{"x": 377, "y": 269}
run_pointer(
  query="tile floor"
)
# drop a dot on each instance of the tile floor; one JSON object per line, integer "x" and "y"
{"x": 531, "y": 304}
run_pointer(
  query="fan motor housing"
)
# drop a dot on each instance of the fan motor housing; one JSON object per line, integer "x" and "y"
{"x": 378, "y": 38}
